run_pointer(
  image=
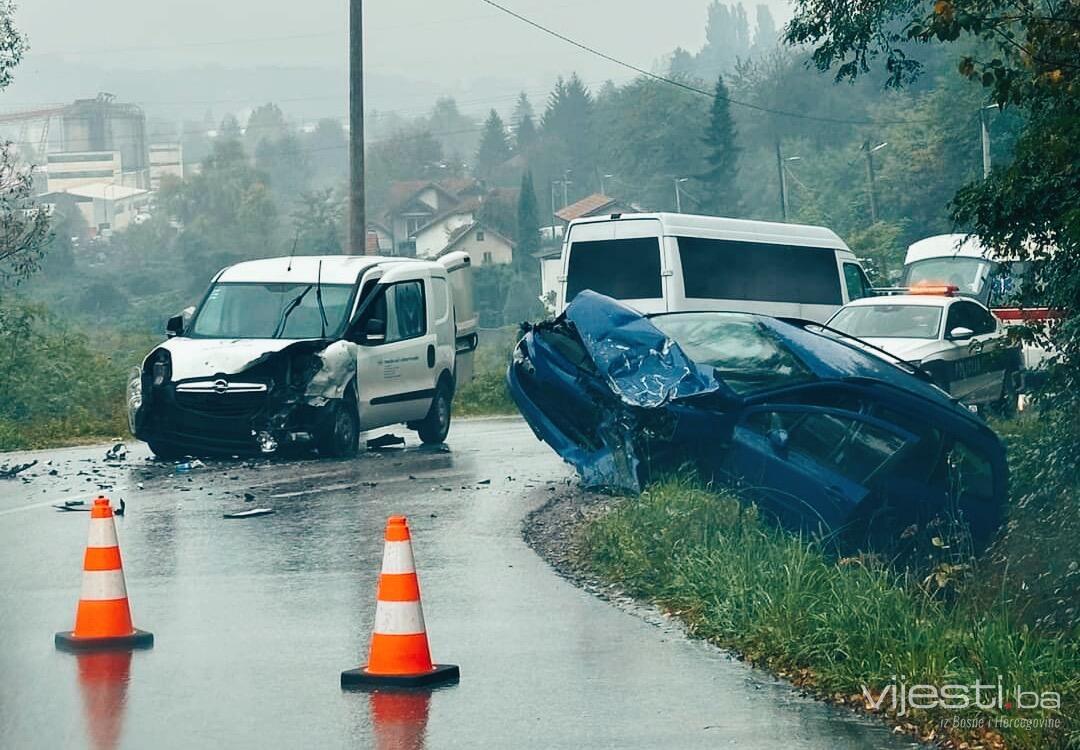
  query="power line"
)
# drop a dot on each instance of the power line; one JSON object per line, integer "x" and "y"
{"x": 682, "y": 84}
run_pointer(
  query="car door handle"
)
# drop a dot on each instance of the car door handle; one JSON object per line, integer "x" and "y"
{"x": 431, "y": 355}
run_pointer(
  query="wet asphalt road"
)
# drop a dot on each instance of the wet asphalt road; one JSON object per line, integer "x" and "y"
{"x": 255, "y": 619}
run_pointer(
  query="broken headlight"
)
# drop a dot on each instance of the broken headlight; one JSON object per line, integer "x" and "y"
{"x": 161, "y": 367}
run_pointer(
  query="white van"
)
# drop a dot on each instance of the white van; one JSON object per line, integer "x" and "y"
{"x": 309, "y": 350}
{"x": 676, "y": 262}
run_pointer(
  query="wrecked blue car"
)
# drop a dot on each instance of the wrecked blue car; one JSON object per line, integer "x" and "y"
{"x": 820, "y": 432}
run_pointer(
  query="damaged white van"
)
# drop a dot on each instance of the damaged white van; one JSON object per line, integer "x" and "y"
{"x": 309, "y": 350}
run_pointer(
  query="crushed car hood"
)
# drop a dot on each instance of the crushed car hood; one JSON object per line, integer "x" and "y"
{"x": 194, "y": 358}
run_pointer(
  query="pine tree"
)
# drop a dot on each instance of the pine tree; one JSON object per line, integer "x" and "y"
{"x": 494, "y": 147}
{"x": 528, "y": 220}
{"x": 525, "y": 134}
{"x": 721, "y": 175}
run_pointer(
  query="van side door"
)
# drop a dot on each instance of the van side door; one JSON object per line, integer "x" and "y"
{"x": 395, "y": 337}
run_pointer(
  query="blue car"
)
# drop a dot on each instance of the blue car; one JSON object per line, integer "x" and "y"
{"x": 822, "y": 433}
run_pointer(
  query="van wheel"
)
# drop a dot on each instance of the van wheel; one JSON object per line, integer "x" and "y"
{"x": 436, "y": 424}
{"x": 339, "y": 436}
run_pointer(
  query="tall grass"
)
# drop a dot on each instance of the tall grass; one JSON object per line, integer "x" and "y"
{"x": 486, "y": 394}
{"x": 831, "y": 625}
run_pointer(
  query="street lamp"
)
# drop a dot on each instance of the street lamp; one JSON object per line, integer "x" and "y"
{"x": 780, "y": 159}
{"x": 870, "y": 176}
{"x": 984, "y": 127}
{"x": 678, "y": 193}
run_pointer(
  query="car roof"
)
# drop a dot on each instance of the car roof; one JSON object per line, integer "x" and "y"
{"x": 305, "y": 269}
{"x": 769, "y": 232}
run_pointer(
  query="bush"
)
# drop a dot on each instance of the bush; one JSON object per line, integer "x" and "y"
{"x": 58, "y": 387}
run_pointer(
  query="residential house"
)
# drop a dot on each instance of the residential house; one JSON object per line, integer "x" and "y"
{"x": 596, "y": 204}
{"x": 484, "y": 245}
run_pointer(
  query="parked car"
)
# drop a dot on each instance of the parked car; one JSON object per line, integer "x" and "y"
{"x": 672, "y": 262}
{"x": 962, "y": 346}
{"x": 309, "y": 350}
{"x": 823, "y": 434}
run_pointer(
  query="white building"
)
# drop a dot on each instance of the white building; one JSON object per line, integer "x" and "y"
{"x": 165, "y": 159}
{"x": 71, "y": 169}
{"x": 485, "y": 246}
{"x": 106, "y": 208}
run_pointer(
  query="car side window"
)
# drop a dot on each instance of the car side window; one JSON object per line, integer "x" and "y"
{"x": 850, "y": 447}
{"x": 969, "y": 315}
{"x": 406, "y": 316}
{"x": 858, "y": 286}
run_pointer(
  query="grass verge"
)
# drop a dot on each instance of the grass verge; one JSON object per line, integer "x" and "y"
{"x": 486, "y": 394}
{"x": 834, "y": 626}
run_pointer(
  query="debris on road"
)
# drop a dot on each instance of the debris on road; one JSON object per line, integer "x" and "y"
{"x": 829, "y": 436}
{"x": 9, "y": 471}
{"x": 117, "y": 453}
{"x": 253, "y": 513}
{"x": 249, "y": 497}
{"x": 386, "y": 441}
{"x": 72, "y": 505}
{"x": 188, "y": 466}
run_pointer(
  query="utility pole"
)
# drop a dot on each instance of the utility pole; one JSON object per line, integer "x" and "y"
{"x": 553, "y": 183}
{"x": 783, "y": 182}
{"x": 566, "y": 183}
{"x": 984, "y": 127}
{"x": 357, "y": 243}
{"x": 870, "y": 177}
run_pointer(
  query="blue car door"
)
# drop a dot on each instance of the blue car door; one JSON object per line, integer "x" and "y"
{"x": 811, "y": 466}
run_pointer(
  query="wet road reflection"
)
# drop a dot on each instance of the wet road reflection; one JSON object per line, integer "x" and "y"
{"x": 254, "y": 619}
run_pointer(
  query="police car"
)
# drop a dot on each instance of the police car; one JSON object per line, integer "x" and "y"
{"x": 955, "y": 339}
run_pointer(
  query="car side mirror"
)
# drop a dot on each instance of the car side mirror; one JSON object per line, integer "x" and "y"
{"x": 175, "y": 326}
{"x": 375, "y": 331}
{"x": 778, "y": 439}
{"x": 960, "y": 334}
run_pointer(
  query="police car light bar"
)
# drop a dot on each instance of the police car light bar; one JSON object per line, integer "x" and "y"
{"x": 937, "y": 290}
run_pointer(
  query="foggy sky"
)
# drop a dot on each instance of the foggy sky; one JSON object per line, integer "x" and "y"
{"x": 415, "y": 49}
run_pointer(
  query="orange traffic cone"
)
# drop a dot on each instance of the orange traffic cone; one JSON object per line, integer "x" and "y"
{"x": 399, "y": 653}
{"x": 399, "y": 718}
{"x": 103, "y": 679}
{"x": 103, "y": 619}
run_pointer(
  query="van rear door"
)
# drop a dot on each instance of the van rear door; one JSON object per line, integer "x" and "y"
{"x": 621, "y": 258}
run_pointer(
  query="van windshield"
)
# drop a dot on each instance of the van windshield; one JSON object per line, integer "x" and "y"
{"x": 969, "y": 275}
{"x": 621, "y": 269}
{"x": 272, "y": 311}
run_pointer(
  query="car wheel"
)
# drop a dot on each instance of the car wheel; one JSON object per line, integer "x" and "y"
{"x": 1006, "y": 407}
{"x": 165, "y": 451}
{"x": 436, "y": 424}
{"x": 339, "y": 436}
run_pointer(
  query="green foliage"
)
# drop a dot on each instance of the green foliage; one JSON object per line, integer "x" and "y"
{"x": 528, "y": 225}
{"x": 266, "y": 123}
{"x": 318, "y": 221}
{"x": 720, "y": 178}
{"x": 832, "y": 625}
{"x": 486, "y": 394}
{"x": 12, "y": 43}
{"x": 494, "y": 147}
{"x": 58, "y": 386}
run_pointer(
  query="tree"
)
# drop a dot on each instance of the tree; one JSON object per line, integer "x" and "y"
{"x": 318, "y": 222}
{"x": 766, "y": 36}
{"x": 265, "y": 123}
{"x": 1023, "y": 55}
{"x": 494, "y": 147}
{"x": 720, "y": 179}
{"x": 24, "y": 225}
{"x": 327, "y": 149}
{"x": 567, "y": 135}
{"x": 229, "y": 129}
{"x": 286, "y": 165}
{"x": 528, "y": 225}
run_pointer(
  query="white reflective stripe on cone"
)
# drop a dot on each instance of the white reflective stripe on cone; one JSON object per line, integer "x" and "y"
{"x": 102, "y": 533}
{"x": 399, "y": 618}
{"x": 99, "y": 585}
{"x": 397, "y": 558}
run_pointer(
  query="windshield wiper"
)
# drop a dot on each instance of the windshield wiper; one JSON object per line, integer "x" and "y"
{"x": 293, "y": 304}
